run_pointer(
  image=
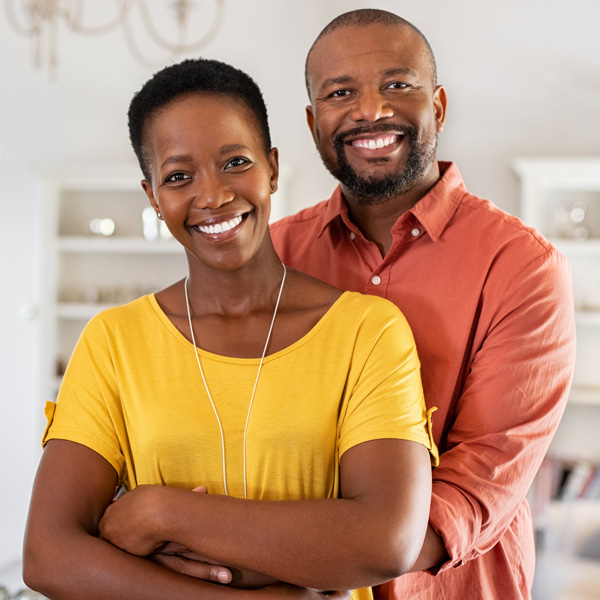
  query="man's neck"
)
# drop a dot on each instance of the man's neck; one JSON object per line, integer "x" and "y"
{"x": 375, "y": 220}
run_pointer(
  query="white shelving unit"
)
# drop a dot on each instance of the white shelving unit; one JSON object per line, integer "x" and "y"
{"x": 85, "y": 272}
{"x": 561, "y": 198}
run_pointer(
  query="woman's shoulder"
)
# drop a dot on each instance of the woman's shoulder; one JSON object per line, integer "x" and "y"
{"x": 128, "y": 315}
{"x": 374, "y": 311}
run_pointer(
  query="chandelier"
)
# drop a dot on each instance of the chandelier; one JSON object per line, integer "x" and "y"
{"x": 41, "y": 20}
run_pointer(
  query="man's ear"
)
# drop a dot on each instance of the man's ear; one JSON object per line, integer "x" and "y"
{"x": 440, "y": 102}
{"x": 310, "y": 119}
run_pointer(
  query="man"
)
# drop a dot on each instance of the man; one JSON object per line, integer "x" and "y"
{"x": 489, "y": 300}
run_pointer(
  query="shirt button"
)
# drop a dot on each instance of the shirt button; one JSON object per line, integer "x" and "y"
{"x": 376, "y": 280}
{"x": 352, "y": 235}
{"x": 415, "y": 232}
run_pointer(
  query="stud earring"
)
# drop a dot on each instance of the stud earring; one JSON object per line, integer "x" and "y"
{"x": 159, "y": 215}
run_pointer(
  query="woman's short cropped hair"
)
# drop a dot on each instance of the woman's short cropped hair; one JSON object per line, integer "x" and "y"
{"x": 189, "y": 76}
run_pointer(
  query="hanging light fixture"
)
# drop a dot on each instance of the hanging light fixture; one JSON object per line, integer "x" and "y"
{"x": 40, "y": 20}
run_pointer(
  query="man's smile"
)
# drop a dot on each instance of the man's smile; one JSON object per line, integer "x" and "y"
{"x": 373, "y": 143}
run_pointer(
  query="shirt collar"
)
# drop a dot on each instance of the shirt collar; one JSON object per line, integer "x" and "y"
{"x": 434, "y": 210}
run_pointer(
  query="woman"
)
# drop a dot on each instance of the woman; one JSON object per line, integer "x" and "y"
{"x": 297, "y": 407}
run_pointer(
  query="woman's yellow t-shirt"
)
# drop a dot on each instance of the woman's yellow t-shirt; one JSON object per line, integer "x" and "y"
{"x": 133, "y": 393}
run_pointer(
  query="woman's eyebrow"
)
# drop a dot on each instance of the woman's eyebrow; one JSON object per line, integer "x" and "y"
{"x": 232, "y": 148}
{"x": 177, "y": 158}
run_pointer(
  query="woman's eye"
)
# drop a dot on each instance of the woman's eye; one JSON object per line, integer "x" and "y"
{"x": 174, "y": 177}
{"x": 238, "y": 161}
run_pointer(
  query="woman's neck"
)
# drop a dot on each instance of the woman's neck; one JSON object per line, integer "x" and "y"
{"x": 234, "y": 293}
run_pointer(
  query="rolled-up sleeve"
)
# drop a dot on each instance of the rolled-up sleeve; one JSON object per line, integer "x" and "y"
{"x": 512, "y": 401}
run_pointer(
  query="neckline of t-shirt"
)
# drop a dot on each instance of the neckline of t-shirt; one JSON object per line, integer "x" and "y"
{"x": 307, "y": 337}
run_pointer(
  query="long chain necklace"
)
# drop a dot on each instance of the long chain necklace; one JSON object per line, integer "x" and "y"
{"x": 187, "y": 304}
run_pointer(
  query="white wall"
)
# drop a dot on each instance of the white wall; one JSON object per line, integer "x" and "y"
{"x": 523, "y": 78}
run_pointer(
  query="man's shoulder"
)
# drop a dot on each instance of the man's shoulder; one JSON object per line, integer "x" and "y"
{"x": 311, "y": 216}
{"x": 500, "y": 225}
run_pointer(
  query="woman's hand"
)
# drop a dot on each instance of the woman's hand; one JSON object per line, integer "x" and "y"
{"x": 131, "y": 523}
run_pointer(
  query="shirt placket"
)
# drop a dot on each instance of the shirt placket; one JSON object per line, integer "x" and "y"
{"x": 405, "y": 234}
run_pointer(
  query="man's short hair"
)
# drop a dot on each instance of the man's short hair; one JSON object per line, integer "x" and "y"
{"x": 362, "y": 18}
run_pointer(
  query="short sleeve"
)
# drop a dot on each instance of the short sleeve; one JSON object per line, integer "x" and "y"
{"x": 87, "y": 410}
{"x": 386, "y": 396}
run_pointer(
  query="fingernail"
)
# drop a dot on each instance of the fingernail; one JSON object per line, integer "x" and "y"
{"x": 223, "y": 576}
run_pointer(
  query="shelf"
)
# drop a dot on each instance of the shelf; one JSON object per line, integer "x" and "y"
{"x": 79, "y": 310}
{"x": 561, "y": 576}
{"x": 585, "y": 396}
{"x": 588, "y": 317}
{"x": 117, "y": 245}
{"x": 577, "y": 247}
{"x": 560, "y": 172}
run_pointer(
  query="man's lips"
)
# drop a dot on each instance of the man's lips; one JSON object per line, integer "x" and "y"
{"x": 375, "y": 142}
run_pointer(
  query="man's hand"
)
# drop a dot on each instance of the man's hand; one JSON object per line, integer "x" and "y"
{"x": 291, "y": 592}
{"x": 182, "y": 560}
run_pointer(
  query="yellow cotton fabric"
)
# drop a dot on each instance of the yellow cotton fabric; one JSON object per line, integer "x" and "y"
{"x": 134, "y": 394}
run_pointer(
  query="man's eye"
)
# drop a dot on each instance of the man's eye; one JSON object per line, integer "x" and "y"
{"x": 238, "y": 161}
{"x": 174, "y": 177}
{"x": 339, "y": 93}
{"x": 398, "y": 85}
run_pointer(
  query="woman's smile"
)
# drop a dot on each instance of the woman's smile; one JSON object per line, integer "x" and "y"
{"x": 219, "y": 227}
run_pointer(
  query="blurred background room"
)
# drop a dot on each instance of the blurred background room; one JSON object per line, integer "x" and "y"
{"x": 523, "y": 125}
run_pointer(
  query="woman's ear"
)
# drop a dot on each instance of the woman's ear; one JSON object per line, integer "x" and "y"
{"x": 147, "y": 187}
{"x": 274, "y": 168}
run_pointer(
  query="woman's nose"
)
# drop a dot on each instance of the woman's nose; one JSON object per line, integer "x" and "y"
{"x": 212, "y": 193}
{"x": 371, "y": 105}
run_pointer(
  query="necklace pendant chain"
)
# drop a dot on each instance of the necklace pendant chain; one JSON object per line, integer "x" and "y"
{"x": 262, "y": 358}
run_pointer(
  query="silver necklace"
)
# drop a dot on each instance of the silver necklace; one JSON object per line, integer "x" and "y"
{"x": 187, "y": 304}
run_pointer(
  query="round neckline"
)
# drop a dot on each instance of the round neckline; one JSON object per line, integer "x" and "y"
{"x": 160, "y": 313}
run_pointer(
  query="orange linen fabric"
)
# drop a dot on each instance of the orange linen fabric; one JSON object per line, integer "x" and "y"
{"x": 490, "y": 304}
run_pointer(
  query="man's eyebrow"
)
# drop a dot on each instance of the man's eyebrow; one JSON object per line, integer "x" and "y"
{"x": 340, "y": 80}
{"x": 399, "y": 71}
{"x": 344, "y": 79}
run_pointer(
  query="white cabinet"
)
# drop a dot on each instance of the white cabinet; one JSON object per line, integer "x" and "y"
{"x": 561, "y": 198}
{"x": 85, "y": 270}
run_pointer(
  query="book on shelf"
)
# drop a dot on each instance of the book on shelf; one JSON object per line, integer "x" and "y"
{"x": 565, "y": 479}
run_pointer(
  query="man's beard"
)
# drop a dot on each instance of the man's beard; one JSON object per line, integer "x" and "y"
{"x": 374, "y": 190}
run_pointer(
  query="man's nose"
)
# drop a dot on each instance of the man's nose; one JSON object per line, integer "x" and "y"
{"x": 371, "y": 105}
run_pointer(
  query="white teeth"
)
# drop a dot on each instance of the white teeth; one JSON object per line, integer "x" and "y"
{"x": 220, "y": 227}
{"x": 374, "y": 144}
